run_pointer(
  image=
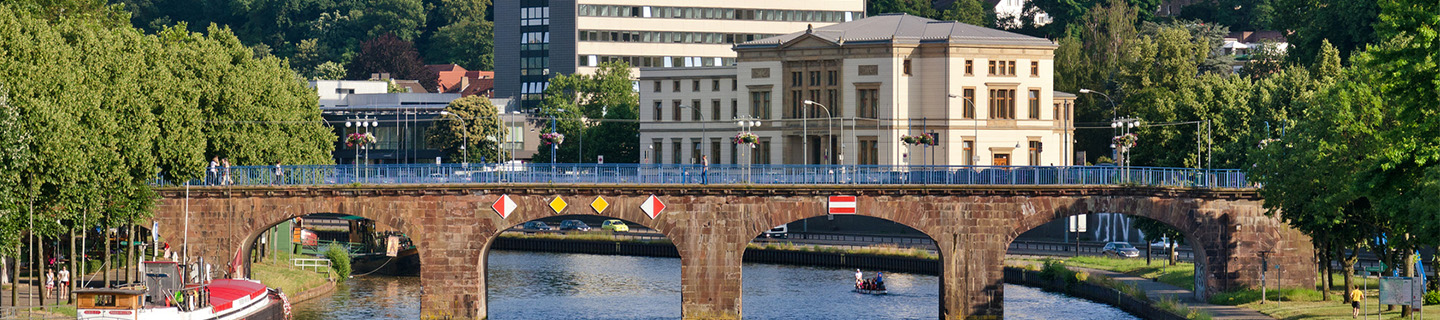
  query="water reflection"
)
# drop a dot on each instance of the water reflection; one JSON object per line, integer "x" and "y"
{"x": 533, "y": 285}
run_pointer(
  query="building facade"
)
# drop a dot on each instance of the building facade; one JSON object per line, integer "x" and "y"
{"x": 538, "y": 39}
{"x": 401, "y": 121}
{"x": 985, "y": 95}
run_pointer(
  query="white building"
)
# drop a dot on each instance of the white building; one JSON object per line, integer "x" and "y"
{"x": 874, "y": 81}
{"x": 538, "y": 39}
{"x": 336, "y": 92}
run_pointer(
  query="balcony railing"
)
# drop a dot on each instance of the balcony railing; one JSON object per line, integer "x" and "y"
{"x": 570, "y": 173}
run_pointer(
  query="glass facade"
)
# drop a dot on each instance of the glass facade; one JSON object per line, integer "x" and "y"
{"x": 534, "y": 51}
{"x": 587, "y": 10}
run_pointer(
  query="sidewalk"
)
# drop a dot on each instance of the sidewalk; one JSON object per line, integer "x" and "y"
{"x": 1157, "y": 290}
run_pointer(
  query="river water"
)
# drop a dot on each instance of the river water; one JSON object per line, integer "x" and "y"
{"x": 534, "y": 285}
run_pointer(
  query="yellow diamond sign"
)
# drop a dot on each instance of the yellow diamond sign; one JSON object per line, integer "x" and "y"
{"x": 557, "y": 204}
{"x": 599, "y": 205}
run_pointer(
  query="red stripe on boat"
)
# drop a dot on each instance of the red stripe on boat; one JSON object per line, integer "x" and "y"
{"x": 224, "y": 291}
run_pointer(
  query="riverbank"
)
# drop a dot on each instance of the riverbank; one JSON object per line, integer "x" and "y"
{"x": 297, "y": 284}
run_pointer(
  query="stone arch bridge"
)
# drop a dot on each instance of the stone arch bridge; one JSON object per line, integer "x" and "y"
{"x": 454, "y": 226}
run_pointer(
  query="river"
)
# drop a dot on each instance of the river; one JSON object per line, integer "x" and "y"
{"x": 534, "y": 285}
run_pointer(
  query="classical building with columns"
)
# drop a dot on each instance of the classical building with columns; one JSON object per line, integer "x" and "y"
{"x": 850, "y": 93}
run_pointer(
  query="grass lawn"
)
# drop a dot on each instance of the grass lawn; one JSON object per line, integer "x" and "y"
{"x": 1181, "y": 274}
{"x": 290, "y": 279}
{"x": 1334, "y": 309}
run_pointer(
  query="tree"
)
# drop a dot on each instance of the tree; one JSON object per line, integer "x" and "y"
{"x": 468, "y": 43}
{"x": 576, "y": 101}
{"x": 1069, "y": 12}
{"x": 389, "y": 54}
{"x": 1156, "y": 230}
{"x": 473, "y": 119}
{"x": 1348, "y": 25}
{"x": 971, "y": 12}
{"x": 329, "y": 70}
{"x": 921, "y": 8}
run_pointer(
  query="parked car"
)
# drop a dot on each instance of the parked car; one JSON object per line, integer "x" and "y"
{"x": 1163, "y": 243}
{"x": 576, "y": 225}
{"x": 780, "y": 231}
{"x": 1120, "y": 250}
{"x": 536, "y": 225}
{"x": 614, "y": 225}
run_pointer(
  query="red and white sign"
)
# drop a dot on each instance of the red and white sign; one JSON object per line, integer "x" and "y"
{"x": 842, "y": 204}
{"x": 652, "y": 206}
{"x": 504, "y": 206}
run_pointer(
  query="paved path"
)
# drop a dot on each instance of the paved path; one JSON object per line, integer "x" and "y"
{"x": 1157, "y": 290}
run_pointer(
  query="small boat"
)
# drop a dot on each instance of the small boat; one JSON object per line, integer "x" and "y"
{"x": 874, "y": 292}
{"x": 164, "y": 298}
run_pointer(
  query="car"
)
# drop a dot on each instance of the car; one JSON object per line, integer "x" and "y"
{"x": 614, "y": 225}
{"x": 1120, "y": 250}
{"x": 780, "y": 231}
{"x": 536, "y": 225}
{"x": 1163, "y": 243}
{"x": 576, "y": 225}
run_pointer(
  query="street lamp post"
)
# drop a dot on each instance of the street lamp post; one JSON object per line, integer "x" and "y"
{"x": 1124, "y": 125}
{"x": 829, "y": 126}
{"x": 745, "y": 124}
{"x": 975, "y": 144}
{"x": 464, "y": 138}
{"x": 1114, "y": 114}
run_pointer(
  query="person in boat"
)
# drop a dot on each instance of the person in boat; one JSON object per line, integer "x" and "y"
{"x": 879, "y": 281}
{"x": 859, "y": 278}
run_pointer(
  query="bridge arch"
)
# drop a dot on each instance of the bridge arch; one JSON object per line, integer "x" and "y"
{"x": 247, "y": 246}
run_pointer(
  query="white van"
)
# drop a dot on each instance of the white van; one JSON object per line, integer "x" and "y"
{"x": 779, "y": 231}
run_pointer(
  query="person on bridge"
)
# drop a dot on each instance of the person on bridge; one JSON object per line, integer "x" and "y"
{"x": 1355, "y": 297}
{"x": 279, "y": 174}
{"x": 705, "y": 169}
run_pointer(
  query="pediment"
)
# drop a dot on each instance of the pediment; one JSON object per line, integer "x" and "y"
{"x": 808, "y": 41}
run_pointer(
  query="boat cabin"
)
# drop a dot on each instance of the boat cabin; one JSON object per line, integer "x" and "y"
{"x": 107, "y": 303}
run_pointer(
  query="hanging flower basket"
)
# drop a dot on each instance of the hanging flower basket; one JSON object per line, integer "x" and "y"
{"x": 1125, "y": 141}
{"x": 746, "y": 138}
{"x": 552, "y": 138}
{"x": 925, "y": 139}
{"x": 359, "y": 139}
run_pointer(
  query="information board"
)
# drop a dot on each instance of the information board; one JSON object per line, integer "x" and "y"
{"x": 1402, "y": 291}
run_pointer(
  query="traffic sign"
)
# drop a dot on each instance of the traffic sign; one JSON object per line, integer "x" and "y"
{"x": 842, "y": 204}
{"x": 504, "y": 206}
{"x": 599, "y": 205}
{"x": 652, "y": 206}
{"x": 558, "y": 204}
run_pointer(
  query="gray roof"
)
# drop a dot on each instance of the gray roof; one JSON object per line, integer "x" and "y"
{"x": 1063, "y": 94}
{"x": 904, "y": 28}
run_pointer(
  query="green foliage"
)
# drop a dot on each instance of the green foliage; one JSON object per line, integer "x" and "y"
{"x": 1239, "y": 297}
{"x": 920, "y": 8}
{"x": 974, "y": 12}
{"x": 1432, "y": 297}
{"x": 388, "y": 53}
{"x": 339, "y": 257}
{"x": 474, "y": 119}
{"x": 607, "y": 94}
{"x": 468, "y": 43}
{"x": 1349, "y": 25}
{"x": 1067, "y": 13}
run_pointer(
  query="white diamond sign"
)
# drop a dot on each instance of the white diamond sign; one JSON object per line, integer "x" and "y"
{"x": 504, "y": 206}
{"x": 652, "y": 206}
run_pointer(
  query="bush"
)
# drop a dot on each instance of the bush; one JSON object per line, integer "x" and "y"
{"x": 1432, "y": 297}
{"x": 339, "y": 260}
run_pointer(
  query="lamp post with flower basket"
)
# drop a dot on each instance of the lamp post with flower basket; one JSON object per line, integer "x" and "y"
{"x": 748, "y": 138}
{"x": 1124, "y": 142}
{"x": 360, "y": 140}
{"x": 926, "y": 139}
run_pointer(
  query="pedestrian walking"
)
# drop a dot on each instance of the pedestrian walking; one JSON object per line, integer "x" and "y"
{"x": 225, "y": 172}
{"x": 279, "y": 174}
{"x": 49, "y": 279}
{"x": 705, "y": 169}
{"x": 212, "y": 176}
{"x": 64, "y": 279}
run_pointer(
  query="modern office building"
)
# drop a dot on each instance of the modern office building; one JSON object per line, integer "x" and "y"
{"x": 401, "y": 121}
{"x": 538, "y": 39}
{"x": 986, "y": 95}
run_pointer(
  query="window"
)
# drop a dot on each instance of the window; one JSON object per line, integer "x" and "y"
{"x": 969, "y": 152}
{"x": 715, "y": 109}
{"x": 659, "y": 107}
{"x": 734, "y": 153}
{"x": 714, "y": 151}
{"x": 814, "y": 78}
{"x": 656, "y": 146}
{"x": 1055, "y": 114}
{"x": 695, "y": 151}
{"x": 1002, "y": 68}
{"x": 1034, "y": 153}
{"x": 735, "y": 84}
{"x": 797, "y": 79}
{"x": 867, "y": 101}
{"x": 695, "y": 85}
{"x": 969, "y": 112}
{"x": 869, "y": 151}
{"x": 992, "y": 67}
{"x": 675, "y": 86}
{"x": 715, "y": 85}
{"x": 657, "y": 85}
{"x": 1002, "y": 103}
{"x": 675, "y": 151}
{"x": 675, "y": 110}
{"x": 1034, "y": 104}
{"x": 794, "y": 111}
{"x": 734, "y": 109}
{"x": 832, "y": 100}
{"x": 695, "y": 113}
{"x": 1010, "y": 72}
{"x": 761, "y": 153}
{"x": 969, "y": 67}
{"x": 906, "y": 67}
{"x": 832, "y": 77}
{"x": 1034, "y": 68}
{"x": 760, "y": 104}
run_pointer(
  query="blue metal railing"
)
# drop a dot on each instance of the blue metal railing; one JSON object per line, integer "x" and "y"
{"x": 719, "y": 174}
